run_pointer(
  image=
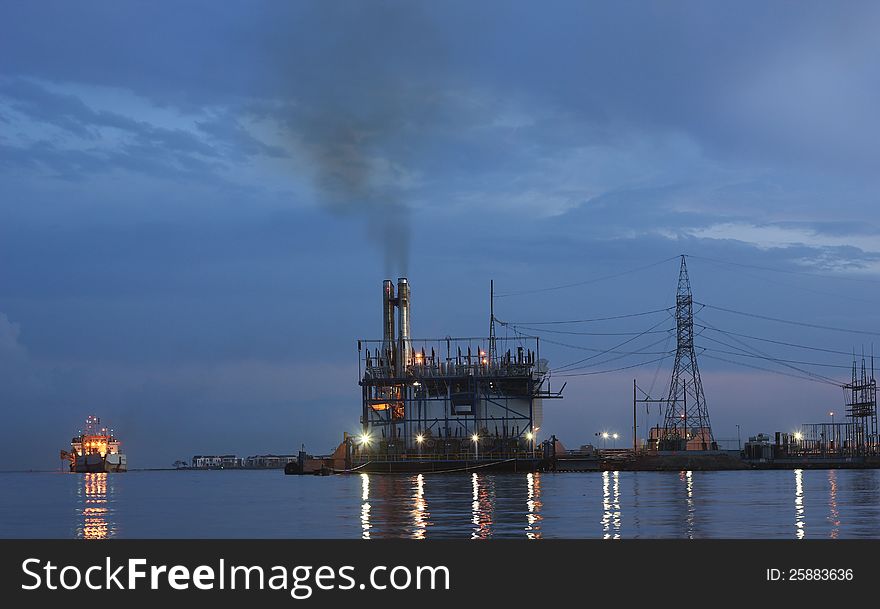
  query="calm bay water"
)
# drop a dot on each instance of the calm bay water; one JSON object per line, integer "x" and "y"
{"x": 162, "y": 504}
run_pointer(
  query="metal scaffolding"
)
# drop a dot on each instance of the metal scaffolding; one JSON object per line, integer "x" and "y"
{"x": 861, "y": 409}
{"x": 451, "y": 392}
{"x": 448, "y": 398}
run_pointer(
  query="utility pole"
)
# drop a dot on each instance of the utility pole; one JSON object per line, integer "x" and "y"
{"x": 647, "y": 400}
{"x": 491, "y": 321}
{"x": 635, "y": 426}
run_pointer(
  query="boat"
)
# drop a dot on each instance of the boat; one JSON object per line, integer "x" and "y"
{"x": 95, "y": 450}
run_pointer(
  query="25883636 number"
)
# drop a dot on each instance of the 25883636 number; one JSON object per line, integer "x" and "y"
{"x": 820, "y": 575}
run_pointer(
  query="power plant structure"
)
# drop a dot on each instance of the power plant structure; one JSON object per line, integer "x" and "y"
{"x": 856, "y": 436}
{"x": 444, "y": 404}
{"x": 477, "y": 403}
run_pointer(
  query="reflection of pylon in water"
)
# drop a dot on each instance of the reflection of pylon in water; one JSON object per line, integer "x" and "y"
{"x": 687, "y": 418}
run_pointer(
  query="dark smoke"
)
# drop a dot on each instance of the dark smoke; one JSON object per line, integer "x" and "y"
{"x": 359, "y": 102}
{"x": 355, "y": 176}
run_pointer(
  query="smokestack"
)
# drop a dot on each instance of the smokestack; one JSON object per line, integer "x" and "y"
{"x": 388, "y": 303}
{"x": 403, "y": 341}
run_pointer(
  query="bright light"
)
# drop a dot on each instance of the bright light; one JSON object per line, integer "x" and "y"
{"x": 420, "y": 438}
{"x": 475, "y": 438}
{"x": 416, "y": 384}
{"x": 798, "y": 436}
{"x": 831, "y": 414}
{"x": 529, "y": 436}
{"x": 365, "y": 438}
{"x": 614, "y": 436}
{"x": 605, "y": 435}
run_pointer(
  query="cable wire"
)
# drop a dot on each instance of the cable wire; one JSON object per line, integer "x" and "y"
{"x": 788, "y": 321}
{"x": 614, "y": 369}
{"x": 770, "y": 340}
{"x": 579, "y": 321}
{"x": 588, "y": 281}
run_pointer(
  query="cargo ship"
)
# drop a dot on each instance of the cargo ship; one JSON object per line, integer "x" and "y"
{"x": 95, "y": 450}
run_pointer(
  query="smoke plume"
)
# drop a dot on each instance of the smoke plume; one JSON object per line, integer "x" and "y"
{"x": 357, "y": 117}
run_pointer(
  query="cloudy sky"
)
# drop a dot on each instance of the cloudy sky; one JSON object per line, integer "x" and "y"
{"x": 198, "y": 204}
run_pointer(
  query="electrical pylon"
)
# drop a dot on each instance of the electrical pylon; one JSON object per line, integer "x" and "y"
{"x": 687, "y": 418}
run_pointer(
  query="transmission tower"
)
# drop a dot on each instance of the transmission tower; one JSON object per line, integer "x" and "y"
{"x": 687, "y": 418}
{"x": 861, "y": 407}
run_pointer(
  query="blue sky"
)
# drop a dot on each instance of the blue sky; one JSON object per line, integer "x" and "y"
{"x": 199, "y": 203}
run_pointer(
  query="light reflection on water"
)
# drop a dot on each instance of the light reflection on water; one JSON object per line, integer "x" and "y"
{"x": 533, "y": 506}
{"x": 799, "y": 523}
{"x": 833, "y": 512}
{"x": 365, "y": 506}
{"x": 611, "y": 505}
{"x": 94, "y": 507}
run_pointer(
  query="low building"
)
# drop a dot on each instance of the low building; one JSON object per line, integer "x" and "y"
{"x": 269, "y": 461}
{"x": 216, "y": 462}
{"x": 205, "y": 461}
{"x": 230, "y": 461}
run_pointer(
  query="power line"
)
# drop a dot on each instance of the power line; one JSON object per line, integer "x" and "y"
{"x": 776, "y": 282}
{"x": 785, "y": 271}
{"x": 624, "y": 354}
{"x": 753, "y": 350}
{"x": 573, "y": 333}
{"x": 579, "y": 321}
{"x": 613, "y": 369}
{"x": 627, "y": 341}
{"x": 602, "y": 351}
{"x": 588, "y": 281}
{"x": 788, "y": 321}
{"x": 797, "y": 376}
{"x": 659, "y": 365}
{"x": 773, "y": 359}
{"x": 776, "y": 342}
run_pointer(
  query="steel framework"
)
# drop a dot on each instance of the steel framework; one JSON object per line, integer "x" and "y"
{"x": 453, "y": 400}
{"x": 686, "y": 425}
{"x": 861, "y": 408}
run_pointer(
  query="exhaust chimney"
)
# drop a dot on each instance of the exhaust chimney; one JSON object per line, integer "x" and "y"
{"x": 388, "y": 303}
{"x": 404, "y": 338}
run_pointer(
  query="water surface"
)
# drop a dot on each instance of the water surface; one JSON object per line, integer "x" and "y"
{"x": 612, "y": 505}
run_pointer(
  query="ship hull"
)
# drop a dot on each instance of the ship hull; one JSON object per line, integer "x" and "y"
{"x": 97, "y": 464}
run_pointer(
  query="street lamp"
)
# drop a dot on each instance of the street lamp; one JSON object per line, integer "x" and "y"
{"x": 531, "y": 438}
{"x": 615, "y": 436}
{"x": 364, "y": 440}
{"x": 833, "y": 431}
{"x": 476, "y": 440}
{"x": 604, "y": 435}
{"x": 419, "y": 439}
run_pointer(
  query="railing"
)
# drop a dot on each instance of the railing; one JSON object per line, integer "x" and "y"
{"x": 444, "y": 370}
